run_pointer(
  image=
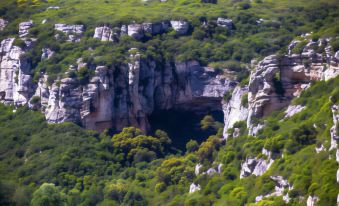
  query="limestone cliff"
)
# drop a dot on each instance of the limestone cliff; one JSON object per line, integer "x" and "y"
{"x": 276, "y": 80}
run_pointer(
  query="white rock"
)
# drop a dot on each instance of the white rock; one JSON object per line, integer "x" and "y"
{"x": 211, "y": 171}
{"x": 320, "y": 149}
{"x": 233, "y": 110}
{"x": 219, "y": 168}
{"x": 103, "y": 33}
{"x": 194, "y": 188}
{"x": 293, "y": 109}
{"x": 53, "y": 8}
{"x": 333, "y": 130}
{"x": 181, "y": 27}
{"x": 227, "y": 23}
{"x": 197, "y": 169}
{"x": 24, "y": 28}
{"x": 135, "y": 31}
{"x": 73, "y": 32}
{"x": 311, "y": 201}
{"x": 46, "y": 53}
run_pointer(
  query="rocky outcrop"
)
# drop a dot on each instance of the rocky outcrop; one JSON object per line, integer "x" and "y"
{"x": 233, "y": 109}
{"x": 136, "y": 31}
{"x": 47, "y": 53}
{"x": 103, "y": 33}
{"x": 280, "y": 186}
{"x": 226, "y": 23}
{"x": 277, "y": 80}
{"x": 292, "y": 110}
{"x": 181, "y": 27}
{"x": 124, "y": 95}
{"x": 255, "y": 166}
{"x": 335, "y": 128}
{"x": 194, "y": 188}
{"x": 3, "y": 24}
{"x": 15, "y": 79}
{"x": 73, "y": 32}
{"x": 197, "y": 169}
{"x": 24, "y": 28}
{"x": 312, "y": 200}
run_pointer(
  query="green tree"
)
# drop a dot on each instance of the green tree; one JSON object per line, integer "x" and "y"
{"x": 47, "y": 195}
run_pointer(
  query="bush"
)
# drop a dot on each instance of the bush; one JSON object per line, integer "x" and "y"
{"x": 192, "y": 146}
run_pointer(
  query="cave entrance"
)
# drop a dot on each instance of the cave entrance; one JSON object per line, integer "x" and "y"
{"x": 183, "y": 125}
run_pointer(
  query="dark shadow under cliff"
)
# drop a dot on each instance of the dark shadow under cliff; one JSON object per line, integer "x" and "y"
{"x": 183, "y": 125}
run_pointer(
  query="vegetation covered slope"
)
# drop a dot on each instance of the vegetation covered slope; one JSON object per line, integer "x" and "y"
{"x": 260, "y": 28}
{"x": 63, "y": 164}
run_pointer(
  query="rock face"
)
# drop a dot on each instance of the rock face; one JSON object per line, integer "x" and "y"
{"x": 136, "y": 31}
{"x": 103, "y": 33}
{"x": 277, "y": 80}
{"x": 120, "y": 96}
{"x": 15, "y": 81}
{"x": 181, "y": 27}
{"x": 73, "y": 32}
{"x": 233, "y": 110}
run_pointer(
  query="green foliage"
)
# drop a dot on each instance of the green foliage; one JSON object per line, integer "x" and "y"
{"x": 47, "y": 195}
{"x": 244, "y": 100}
{"x": 192, "y": 146}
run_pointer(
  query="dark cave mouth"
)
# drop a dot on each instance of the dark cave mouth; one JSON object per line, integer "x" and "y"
{"x": 182, "y": 125}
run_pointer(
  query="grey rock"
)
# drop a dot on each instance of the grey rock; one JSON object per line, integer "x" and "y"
{"x": 24, "y": 28}
{"x": 227, "y": 23}
{"x": 295, "y": 76}
{"x": 136, "y": 31}
{"x": 73, "y": 32}
{"x": 53, "y": 8}
{"x": 103, "y": 33}
{"x": 312, "y": 200}
{"x": 194, "y": 188}
{"x": 181, "y": 27}
{"x": 293, "y": 109}
{"x": 46, "y": 53}
{"x": 15, "y": 79}
{"x": 255, "y": 166}
{"x": 233, "y": 110}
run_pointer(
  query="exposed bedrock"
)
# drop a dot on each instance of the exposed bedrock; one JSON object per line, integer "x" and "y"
{"x": 276, "y": 80}
{"x": 116, "y": 96}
